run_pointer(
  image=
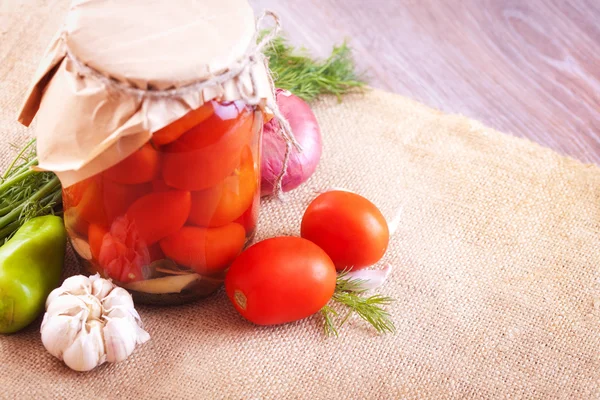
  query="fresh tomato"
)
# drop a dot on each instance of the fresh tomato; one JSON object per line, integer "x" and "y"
{"x": 206, "y": 250}
{"x": 350, "y": 229}
{"x": 280, "y": 280}
{"x": 158, "y": 215}
{"x": 118, "y": 197}
{"x": 123, "y": 253}
{"x": 174, "y": 130}
{"x": 222, "y": 204}
{"x": 140, "y": 167}
{"x": 209, "y": 152}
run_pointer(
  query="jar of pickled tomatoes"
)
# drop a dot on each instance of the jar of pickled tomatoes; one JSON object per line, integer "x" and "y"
{"x": 151, "y": 115}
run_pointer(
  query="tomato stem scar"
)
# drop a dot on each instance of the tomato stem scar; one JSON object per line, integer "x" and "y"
{"x": 240, "y": 299}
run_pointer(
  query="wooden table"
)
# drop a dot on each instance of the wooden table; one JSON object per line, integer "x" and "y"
{"x": 526, "y": 67}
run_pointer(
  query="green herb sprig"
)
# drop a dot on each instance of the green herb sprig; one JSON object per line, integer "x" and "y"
{"x": 350, "y": 293}
{"x": 295, "y": 70}
{"x": 25, "y": 193}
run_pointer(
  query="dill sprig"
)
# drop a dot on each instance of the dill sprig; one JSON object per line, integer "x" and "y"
{"x": 25, "y": 193}
{"x": 350, "y": 293}
{"x": 295, "y": 70}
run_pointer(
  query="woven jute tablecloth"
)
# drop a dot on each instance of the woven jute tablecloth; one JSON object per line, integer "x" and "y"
{"x": 496, "y": 261}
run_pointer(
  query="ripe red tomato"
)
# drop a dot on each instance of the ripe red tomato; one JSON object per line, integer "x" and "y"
{"x": 209, "y": 152}
{"x": 140, "y": 167}
{"x": 350, "y": 229}
{"x": 122, "y": 253}
{"x": 158, "y": 215}
{"x": 95, "y": 237}
{"x": 173, "y": 131}
{"x": 118, "y": 197}
{"x": 158, "y": 185}
{"x": 250, "y": 217}
{"x": 207, "y": 250}
{"x": 280, "y": 280}
{"x": 227, "y": 201}
{"x": 83, "y": 205}
{"x": 72, "y": 195}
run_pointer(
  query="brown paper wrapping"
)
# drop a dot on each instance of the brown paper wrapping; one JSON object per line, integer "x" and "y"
{"x": 85, "y": 125}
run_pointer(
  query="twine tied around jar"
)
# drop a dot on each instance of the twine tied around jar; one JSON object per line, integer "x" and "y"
{"x": 252, "y": 56}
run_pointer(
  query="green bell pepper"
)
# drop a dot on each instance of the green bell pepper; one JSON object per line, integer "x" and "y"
{"x": 30, "y": 268}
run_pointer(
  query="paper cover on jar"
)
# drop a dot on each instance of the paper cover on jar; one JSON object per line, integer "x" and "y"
{"x": 119, "y": 71}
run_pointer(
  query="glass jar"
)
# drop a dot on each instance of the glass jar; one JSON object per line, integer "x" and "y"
{"x": 167, "y": 221}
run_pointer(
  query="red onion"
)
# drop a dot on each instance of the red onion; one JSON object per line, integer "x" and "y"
{"x": 306, "y": 131}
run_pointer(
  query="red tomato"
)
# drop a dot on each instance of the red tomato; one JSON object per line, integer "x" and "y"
{"x": 280, "y": 280}
{"x": 123, "y": 253}
{"x": 350, "y": 229}
{"x": 222, "y": 204}
{"x": 156, "y": 252}
{"x": 73, "y": 194}
{"x": 173, "y": 131}
{"x": 158, "y": 185}
{"x": 209, "y": 152}
{"x": 140, "y": 167}
{"x": 85, "y": 198}
{"x": 74, "y": 224}
{"x": 158, "y": 215}
{"x": 118, "y": 197}
{"x": 250, "y": 217}
{"x": 206, "y": 250}
{"x": 95, "y": 237}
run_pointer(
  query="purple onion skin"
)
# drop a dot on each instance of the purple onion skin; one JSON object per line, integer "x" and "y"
{"x": 306, "y": 131}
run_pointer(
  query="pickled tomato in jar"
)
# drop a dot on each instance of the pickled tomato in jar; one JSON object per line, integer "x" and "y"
{"x": 170, "y": 218}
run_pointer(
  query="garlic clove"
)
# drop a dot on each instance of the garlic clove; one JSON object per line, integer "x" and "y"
{"x": 371, "y": 278}
{"x": 123, "y": 312}
{"x": 59, "y": 332}
{"x": 133, "y": 317}
{"x": 76, "y": 285}
{"x": 66, "y": 304}
{"x": 87, "y": 351}
{"x": 101, "y": 287}
{"x": 142, "y": 335}
{"x": 120, "y": 338}
{"x": 117, "y": 297}
{"x": 93, "y": 305}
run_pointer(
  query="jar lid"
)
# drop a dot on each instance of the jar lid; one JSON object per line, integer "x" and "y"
{"x": 119, "y": 71}
{"x": 157, "y": 43}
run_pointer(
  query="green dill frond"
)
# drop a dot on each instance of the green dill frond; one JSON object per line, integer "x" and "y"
{"x": 25, "y": 193}
{"x": 350, "y": 294}
{"x": 329, "y": 314}
{"x": 295, "y": 70}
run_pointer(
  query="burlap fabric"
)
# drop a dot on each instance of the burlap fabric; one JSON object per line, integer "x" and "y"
{"x": 496, "y": 269}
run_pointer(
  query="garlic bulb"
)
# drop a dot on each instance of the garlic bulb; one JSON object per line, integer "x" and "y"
{"x": 89, "y": 321}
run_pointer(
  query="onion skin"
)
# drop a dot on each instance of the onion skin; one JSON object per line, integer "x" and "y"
{"x": 306, "y": 131}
